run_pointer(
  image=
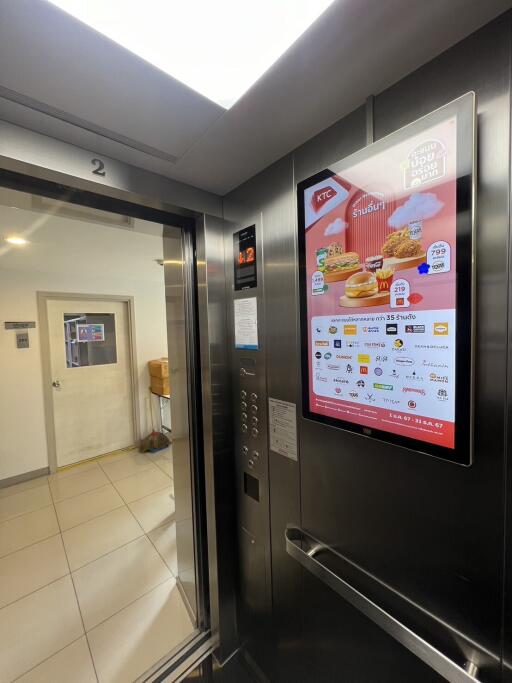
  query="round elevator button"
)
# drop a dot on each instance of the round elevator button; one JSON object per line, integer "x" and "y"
{"x": 254, "y": 397}
{"x": 254, "y": 432}
{"x": 254, "y": 408}
{"x": 243, "y": 393}
{"x": 243, "y": 406}
{"x": 243, "y": 427}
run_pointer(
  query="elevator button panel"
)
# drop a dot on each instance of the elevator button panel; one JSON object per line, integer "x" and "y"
{"x": 251, "y": 427}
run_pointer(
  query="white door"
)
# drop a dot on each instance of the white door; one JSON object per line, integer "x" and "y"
{"x": 92, "y": 392}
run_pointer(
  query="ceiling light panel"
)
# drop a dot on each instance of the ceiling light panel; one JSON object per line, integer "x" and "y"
{"x": 217, "y": 48}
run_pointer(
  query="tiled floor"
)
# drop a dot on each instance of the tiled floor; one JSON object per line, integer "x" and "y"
{"x": 87, "y": 566}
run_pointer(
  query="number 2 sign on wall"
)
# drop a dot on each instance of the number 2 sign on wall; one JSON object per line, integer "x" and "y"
{"x": 99, "y": 167}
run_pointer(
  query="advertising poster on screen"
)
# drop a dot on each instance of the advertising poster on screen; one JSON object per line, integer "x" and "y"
{"x": 381, "y": 289}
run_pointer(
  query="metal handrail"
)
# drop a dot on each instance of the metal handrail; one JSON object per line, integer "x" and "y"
{"x": 309, "y": 559}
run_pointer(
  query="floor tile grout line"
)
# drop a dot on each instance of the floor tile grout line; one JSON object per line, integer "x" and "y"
{"x": 96, "y": 488}
{"x": 75, "y": 495}
{"x": 135, "y": 473}
{"x": 75, "y": 526}
{"x": 154, "y": 546}
{"x": 146, "y": 469}
{"x": 148, "y": 494}
{"x": 147, "y": 457}
{"x": 132, "y": 474}
{"x": 170, "y": 518}
{"x": 91, "y": 519}
{"x": 2, "y": 521}
{"x": 18, "y": 550}
{"x": 124, "y": 503}
{"x": 143, "y": 533}
{"x": 15, "y": 493}
{"x": 53, "y": 505}
{"x": 166, "y": 473}
{"x": 142, "y": 595}
{"x": 74, "y": 591}
{"x": 48, "y": 477}
{"x": 74, "y": 468}
{"x": 83, "y": 626}
{"x": 71, "y": 471}
{"x": 128, "y": 475}
{"x": 10, "y": 604}
{"x": 73, "y": 571}
{"x": 70, "y": 572}
{"x": 45, "y": 538}
{"x": 47, "y": 658}
{"x": 84, "y": 493}
{"x": 153, "y": 493}
{"x": 127, "y": 502}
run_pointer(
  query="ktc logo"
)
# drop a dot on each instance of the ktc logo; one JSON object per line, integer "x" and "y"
{"x": 321, "y": 197}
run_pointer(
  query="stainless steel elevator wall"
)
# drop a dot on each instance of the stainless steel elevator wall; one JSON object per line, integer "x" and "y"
{"x": 432, "y": 530}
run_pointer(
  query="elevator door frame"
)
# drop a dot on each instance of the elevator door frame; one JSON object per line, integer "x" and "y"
{"x": 138, "y": 208}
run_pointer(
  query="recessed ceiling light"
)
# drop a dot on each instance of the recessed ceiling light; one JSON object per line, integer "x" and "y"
{"x": 217, "y": 48}
{"x": 17, "y": 241}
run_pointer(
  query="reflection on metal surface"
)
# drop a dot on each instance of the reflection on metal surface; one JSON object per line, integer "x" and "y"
{"x": 217, "y": 431}
{"x": 306, "y": 550}
{"x": 180, "y": 328}
{"x": 471, "y": 668}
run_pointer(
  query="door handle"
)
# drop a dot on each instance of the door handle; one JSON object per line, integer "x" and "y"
{"x": 56, "y": 383}
{"x": 308, "y": 550}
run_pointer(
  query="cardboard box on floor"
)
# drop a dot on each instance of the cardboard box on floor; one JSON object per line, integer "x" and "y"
{"x": 160, "y": 386}
{"x": 159, "y": 375}
{"x": 159, "y": 368}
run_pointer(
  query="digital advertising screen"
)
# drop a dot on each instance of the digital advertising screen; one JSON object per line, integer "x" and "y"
{"x": 244, "y": 255}
{"x": 386, "y": 253}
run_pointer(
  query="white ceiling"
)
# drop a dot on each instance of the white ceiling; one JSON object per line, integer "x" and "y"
{"x": 63, "y": 79}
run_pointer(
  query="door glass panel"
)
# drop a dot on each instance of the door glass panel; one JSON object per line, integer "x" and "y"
{"x": 90, "y": 339}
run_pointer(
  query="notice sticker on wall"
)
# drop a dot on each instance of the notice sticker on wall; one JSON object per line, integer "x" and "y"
{"x": 246, "y": 323}
{"x": 282, "y": 420}
{"x": 90, "y": 332}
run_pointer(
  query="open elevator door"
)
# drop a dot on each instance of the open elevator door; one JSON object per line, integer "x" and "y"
{"x": 172, "y": 239}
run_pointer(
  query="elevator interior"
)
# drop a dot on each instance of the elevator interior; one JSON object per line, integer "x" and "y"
{"x": 426, "y": 541}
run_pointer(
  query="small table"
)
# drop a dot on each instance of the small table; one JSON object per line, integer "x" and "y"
{"x": 162, "y": 398}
